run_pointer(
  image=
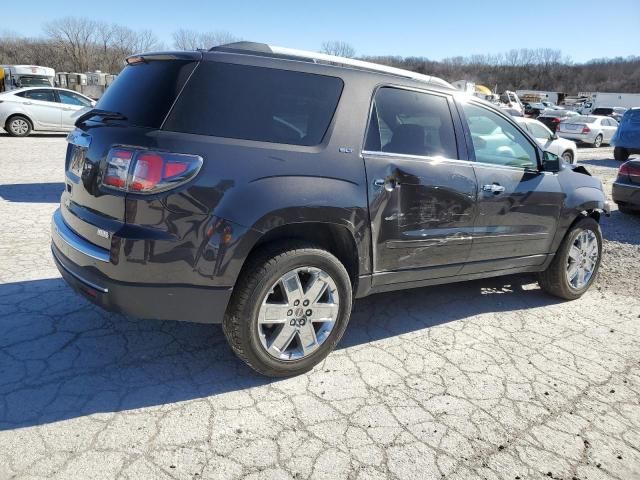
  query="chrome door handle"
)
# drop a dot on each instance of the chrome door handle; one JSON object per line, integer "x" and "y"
{"x": 493, "y": 188}
{"x": 26, "y": 103}
{"x": 389, "y": 184}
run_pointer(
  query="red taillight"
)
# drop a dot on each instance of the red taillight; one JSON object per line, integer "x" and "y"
{"x": 118, "y": 161}
{"x": 143, "y": 171}
{"x": 585, "y": 129}
{"x": 555, "y": 120}
{"x": 630, "y": 168}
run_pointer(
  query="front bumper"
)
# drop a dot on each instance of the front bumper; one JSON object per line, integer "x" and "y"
{"x": 626, "y": 194}
{"x": 83, "y": 266}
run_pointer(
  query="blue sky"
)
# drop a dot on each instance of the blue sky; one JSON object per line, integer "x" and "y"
{"x": 581, "y": 29}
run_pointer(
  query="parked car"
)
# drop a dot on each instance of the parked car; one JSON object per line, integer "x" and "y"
{"x": 534, "y": 109}
{"x": 588, "y": 129}
{"x": 626, "y": 140}
{"x": 239, "y": 192}
{"x": 31, "y": 109}
{"x": 552, "y": 118}
{"x": 626, "y": 188}
{"x": 549, "y": 141}
{"x": 614, "y": 112}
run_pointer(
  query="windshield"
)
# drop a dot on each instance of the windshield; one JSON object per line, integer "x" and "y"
{"x": 602, "y": 111}
{"x": 34, "y": 82}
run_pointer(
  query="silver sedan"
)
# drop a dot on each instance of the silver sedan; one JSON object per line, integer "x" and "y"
{"x": 592, "y": 129}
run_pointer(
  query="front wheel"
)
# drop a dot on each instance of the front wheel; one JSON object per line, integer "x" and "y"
{"x": 568, "y": 156}
{"x": 18, "y": 126}
{"x": 576, "y": 262}
{"x": 289, "y": 309}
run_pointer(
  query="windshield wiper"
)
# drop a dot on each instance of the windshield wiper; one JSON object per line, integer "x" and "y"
{"x": 96, "y": 112}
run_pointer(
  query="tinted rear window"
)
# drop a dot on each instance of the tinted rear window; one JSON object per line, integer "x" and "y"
{"x": 255, "y": 103}
{"x": 602, "y": 111}
{"x": 144, "y": 92}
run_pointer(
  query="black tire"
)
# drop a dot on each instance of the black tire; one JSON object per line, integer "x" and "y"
{"x": 554, "y": 279}
{"x": 597, "y": 143}
{"x": 620, "y": 154}
{"x": 18, "y": 126}
{"x": 240, "y": 324}
{"x": 567, "y": 156}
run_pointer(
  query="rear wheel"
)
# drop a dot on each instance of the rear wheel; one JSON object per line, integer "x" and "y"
{"x": 18, "y": 126}
{"x": 576, "y": 262}
{"x": 289, "y": 309}
{"x": 568, "y": 156}
{"x": 598, "y": 141}
{"x": 620, "y": 154}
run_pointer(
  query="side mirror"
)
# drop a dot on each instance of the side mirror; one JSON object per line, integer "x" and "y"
{"x": 550, "y": 162}
{"x": 554, "y": 136}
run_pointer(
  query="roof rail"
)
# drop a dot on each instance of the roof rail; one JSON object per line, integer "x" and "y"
{"x": 304, "y": 55}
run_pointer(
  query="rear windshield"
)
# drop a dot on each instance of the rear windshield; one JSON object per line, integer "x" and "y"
{"x": 602, "y": 111}
{"x": 144, "y": 92}
{"x": 256, "y": 103}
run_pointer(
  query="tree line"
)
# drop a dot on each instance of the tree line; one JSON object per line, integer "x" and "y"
{"x": 74, "y": 44}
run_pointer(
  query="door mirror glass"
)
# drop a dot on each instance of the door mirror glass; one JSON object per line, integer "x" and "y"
{"x": 550, "y": 162}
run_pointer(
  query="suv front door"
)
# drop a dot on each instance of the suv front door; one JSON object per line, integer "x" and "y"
{"x": 421, "y": 195}
{"x": 518, "y": 205}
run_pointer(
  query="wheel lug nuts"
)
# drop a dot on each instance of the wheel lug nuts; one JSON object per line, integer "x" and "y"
{"x": 306, "y": 302}
{"x": 296, "y": 303}
{"x": 309, "y": 312}
{"x": 289, "y": 313}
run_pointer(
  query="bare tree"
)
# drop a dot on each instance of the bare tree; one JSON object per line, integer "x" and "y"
{"x": 76, "y": 37}
{"x": 192, "y": 40}
{"x": 338, "y": 48}
{"x": 186, "y": 39}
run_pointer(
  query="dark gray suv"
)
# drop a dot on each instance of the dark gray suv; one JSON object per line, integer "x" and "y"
{"x": 265, "y": 188}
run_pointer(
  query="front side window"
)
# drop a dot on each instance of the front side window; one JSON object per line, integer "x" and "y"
{"x": 73, "y": 99}
{"x": 40, "y": 95}
{"x": 497, "y": 141}
{"x": 256, "y": 103}
{"x": 411, "y": 123}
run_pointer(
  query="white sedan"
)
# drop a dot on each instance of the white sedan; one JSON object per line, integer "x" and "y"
{"x": 40, "y": 108}
{"x": 548, "y": 140}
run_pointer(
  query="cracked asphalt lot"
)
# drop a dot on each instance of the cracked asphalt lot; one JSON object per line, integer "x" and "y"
{"x": 489, "y": 379}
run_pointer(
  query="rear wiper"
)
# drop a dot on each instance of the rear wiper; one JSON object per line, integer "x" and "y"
{"x": 96, "y": 112}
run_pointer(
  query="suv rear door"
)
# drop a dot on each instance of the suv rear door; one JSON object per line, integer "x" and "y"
{"x": 518, "y": 205}
{"x": 421, "y": 194}
{"x": 142, "y": 94}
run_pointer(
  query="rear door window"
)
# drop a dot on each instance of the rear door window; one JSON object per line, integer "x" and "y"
{"x": 256, "y": 103}
{"x": 411, "y": 123}
{"x": 40, "y": 95}
{"x": 145, "y": 91}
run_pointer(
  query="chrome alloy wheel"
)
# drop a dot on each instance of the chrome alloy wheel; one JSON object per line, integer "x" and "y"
{"x": 583, "y": 259}
{"x": 19, "y": 126}
{"x": 298, "y": 313}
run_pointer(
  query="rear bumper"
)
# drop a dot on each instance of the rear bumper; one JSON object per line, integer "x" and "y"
{"x": 577, "y": 137}
{"x": 628, "y": 195}
{"x": 83, "y": 266}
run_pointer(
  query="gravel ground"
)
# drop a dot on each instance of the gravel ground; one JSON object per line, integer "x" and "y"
{"x": 489, "y": 379}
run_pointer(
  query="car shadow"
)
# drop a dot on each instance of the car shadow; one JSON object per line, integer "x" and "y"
{"x": 32, "y": 192}
{"x": 605, "y": 162}
{"x": 62, "y": 358}
{"x": 3, "y": 133}
{"x": 615, "y": 228}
